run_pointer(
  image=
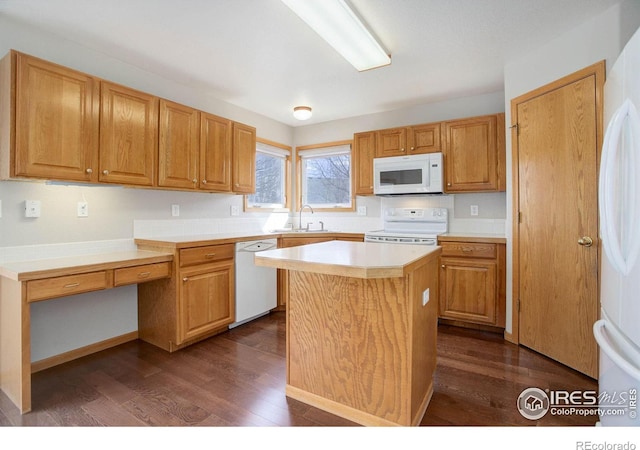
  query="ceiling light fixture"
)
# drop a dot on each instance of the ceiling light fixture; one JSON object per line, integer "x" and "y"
{"x": 337, "y": 24}
{"x": 302, "y": 112}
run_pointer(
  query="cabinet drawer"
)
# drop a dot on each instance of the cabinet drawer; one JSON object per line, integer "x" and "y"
{"x": 469, "y": 249}
{"x": 140, "y": 274}
{"x": 203, "y": 255}
{"x": 69, "y": 285}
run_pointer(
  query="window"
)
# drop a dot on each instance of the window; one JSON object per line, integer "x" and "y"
{"x": 272, "y": 177}
{"x": 324, "y": 176}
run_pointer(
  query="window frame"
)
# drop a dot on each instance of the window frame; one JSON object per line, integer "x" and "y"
{"x": 316, "y": 147}
{"x": 287, "y": 180}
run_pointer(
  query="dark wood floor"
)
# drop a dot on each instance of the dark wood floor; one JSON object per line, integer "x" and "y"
{"x": 237, "y": 379}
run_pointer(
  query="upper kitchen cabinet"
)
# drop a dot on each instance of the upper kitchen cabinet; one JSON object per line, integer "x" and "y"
{"x": 48, "y": 120}
{"x": 244, "y": 159}
{"x": 411, "y": 140}
{"x": 364, "y": 150}
{"x": 474, "y": 154}
{"x": 216, "y": 141}
{"x": 128, "y": 135}
{"x": 178, "y": 150}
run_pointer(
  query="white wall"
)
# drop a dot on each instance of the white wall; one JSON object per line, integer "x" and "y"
{"x": 601, "y": 38}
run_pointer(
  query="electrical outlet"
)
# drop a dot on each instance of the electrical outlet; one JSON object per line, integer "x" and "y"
{"x": 425, "y": 297}
{"x": 32, "y": 208}
{"x": 175, "y": 210}
{"x": 474, "y": 210}
{"x": 235, "y": 210}
{"x": 83, "y": 209}
{"x": 362, "y": 210}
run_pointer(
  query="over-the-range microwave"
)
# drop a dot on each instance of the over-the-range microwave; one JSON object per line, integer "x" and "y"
{"x": 411, "y": 174}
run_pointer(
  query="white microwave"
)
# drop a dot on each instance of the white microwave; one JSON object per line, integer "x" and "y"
{"x": 411, "y": 174}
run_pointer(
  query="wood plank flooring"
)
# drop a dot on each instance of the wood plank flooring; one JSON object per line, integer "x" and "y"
{"x": 237, "y": 379}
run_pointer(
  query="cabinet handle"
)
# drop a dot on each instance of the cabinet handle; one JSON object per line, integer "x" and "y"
{"x": 209, "y": 255}
{"x": 144, "y": 274}
{"x": 467, "y": 249}
{"x": 105, "y": 172}
{"x": 585, "y": 241}
{"x": 89, "y": 170}
{"x": 72, "y": 285}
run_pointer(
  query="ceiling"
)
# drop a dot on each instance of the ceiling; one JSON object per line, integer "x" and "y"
{"x": 258, "y": 55}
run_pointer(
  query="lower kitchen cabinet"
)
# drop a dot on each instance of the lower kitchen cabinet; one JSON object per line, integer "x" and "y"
{"x": 473, "y": 283}
{"x": 197, "y": 302}
{"x": 206, "y": 300}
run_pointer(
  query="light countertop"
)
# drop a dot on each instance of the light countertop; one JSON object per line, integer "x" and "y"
{"x": 181, "y": 241}
{"x": 53, "y": 267}
{"x": 352, "y": 259}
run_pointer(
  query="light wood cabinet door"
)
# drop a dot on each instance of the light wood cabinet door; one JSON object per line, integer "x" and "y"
{"x": 391, "y": 142}
{"x": 474, "y": 154}
{"x": 206, "y": 301}
{"x": 244, "y": 159}
{"x": 364, "y": 150}
{"x": 468, "y": 290}
{"x": 56, "y": 121}
{"x": 424, "y": 138}
{"x": 216, "y": 141}
{"x": 178, "y": 146}
{"x": 128, "y": 136}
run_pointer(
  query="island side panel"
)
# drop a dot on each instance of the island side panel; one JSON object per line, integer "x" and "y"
{"x": 424, "y": 335}
{"x": 349, "y": 343}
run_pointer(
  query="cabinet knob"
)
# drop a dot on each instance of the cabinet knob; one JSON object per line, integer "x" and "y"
{"x": 89, "y": 170}
{"x": 105, "y": 172}
{"x": 195, "y": 181}
{"x": 413, "y": 148}
{"x": 185, "y": 279}
{"x": 448, "y": 184}
{"x": 204, "y": 181}
{"x": 402, "y": 149}
{"x": 443, "y": 266}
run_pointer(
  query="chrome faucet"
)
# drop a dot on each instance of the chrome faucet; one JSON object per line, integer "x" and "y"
{"x": 300, "y": 220}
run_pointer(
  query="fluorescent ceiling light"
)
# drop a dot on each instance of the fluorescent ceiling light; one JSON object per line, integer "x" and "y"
{"x": 337, "y": 24}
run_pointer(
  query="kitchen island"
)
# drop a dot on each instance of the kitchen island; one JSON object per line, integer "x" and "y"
{"x": 361, "y": 328}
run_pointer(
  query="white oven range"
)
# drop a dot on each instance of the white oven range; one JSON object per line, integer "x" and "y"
{"x": 419, "y": 226}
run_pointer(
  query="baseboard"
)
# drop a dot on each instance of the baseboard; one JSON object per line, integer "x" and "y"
{"x": 62, "y": 358}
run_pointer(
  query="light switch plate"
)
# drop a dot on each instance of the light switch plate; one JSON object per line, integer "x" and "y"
{"x": 32, "y": 208}
{"x": 235, "y": 210}
{"x": 83, "y": 209}
{"x": 175, "y": 210}
{"x": 362, "y": 210}
{"x": 474, "y": 210}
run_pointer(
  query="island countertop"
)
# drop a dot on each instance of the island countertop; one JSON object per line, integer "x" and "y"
{"x": 351, "y": 259}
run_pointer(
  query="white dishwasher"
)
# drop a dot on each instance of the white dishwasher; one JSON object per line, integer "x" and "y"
{"x": 256, "y": 288}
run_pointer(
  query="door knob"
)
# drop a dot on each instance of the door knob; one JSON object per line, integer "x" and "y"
{"x": 585, "y": 241}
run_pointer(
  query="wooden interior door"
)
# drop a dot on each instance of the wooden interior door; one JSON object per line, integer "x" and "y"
{"x": 556, "y": 149}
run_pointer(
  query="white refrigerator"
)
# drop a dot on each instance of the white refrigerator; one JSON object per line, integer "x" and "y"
{"x": 618, "y": 330}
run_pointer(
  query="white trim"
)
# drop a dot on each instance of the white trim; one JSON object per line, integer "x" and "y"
{"x": 325, "y": 151}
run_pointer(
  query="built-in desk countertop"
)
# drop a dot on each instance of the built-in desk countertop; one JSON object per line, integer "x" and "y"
{"x": 22, "y": 283}
{"x": 351, "y": 259}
